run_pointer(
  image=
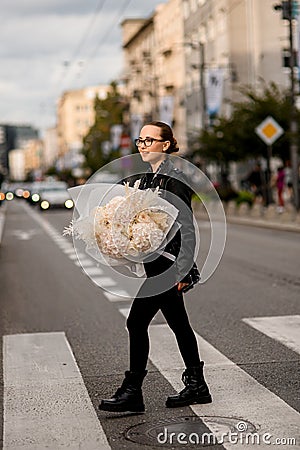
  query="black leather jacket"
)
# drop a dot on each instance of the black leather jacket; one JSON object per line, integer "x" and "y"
{"x": 175, "y": 189}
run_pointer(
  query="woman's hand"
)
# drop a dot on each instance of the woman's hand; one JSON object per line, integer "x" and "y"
{"x": 180, "y": 286}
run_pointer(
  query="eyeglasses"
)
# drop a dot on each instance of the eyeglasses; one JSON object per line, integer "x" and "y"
{"x": 147, "y": 142}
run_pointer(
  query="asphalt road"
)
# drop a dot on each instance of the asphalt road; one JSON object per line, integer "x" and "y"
{"x": 43, "y": 290}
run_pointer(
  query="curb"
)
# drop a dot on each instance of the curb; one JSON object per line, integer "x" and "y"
{"x": 264, "y": 224}
{"x": 255, "y": 222}
{"x": 2, "y": 220}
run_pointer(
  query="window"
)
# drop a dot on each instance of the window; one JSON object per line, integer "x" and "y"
{"x": 286, "y": 57}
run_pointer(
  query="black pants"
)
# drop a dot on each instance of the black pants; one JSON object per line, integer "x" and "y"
{"x": 143, "y": 310}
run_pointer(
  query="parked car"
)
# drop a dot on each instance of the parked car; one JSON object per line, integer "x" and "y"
{"x": 55, "y": 195}
{"x": 9, "y": 191}
{"x": 38, "y": 186}
{"x": 34, "y": 197}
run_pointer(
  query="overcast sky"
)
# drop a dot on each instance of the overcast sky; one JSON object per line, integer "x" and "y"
{"x": 49, "y": 46}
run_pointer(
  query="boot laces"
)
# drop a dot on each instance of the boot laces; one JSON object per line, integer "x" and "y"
{"x": 186, "y": 378}
{"x": 186, "y": 381}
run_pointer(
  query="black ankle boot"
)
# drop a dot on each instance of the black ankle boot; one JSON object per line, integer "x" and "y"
{"x": 129, "y": 396}
{"x": 195, "y": 391}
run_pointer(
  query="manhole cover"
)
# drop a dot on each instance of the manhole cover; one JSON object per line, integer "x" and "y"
{"x": 189, "y": 431}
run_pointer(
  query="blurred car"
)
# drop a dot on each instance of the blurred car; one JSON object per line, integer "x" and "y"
{"x": 9, "y": 191}
{"x": 34, "y": 198}
{"x": 55, "y": 196}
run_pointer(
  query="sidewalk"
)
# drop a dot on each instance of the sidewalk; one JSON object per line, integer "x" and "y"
{"x": 258, "y": 216}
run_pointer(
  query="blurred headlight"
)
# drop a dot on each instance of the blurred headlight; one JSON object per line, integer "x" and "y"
{"x": 35, "y": 197}
{"x": 9, "y": 196}
{"x": 45, "y": 204}
{"x": 26, "y": 194}
{"x": 2, "y": 196}
{"x": 19, "y": 192}
{"x": 69, "y": 204}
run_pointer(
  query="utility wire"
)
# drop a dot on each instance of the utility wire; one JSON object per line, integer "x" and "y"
{"x": 108, "y": 31}
{"x": 88, "y": 29}
{"x": 82, "y": 41}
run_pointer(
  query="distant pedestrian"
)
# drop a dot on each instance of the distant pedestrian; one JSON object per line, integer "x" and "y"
{"x": 280, "y": 188}
{"x": 288, "y": 180}
{"x": 256, "y": 181}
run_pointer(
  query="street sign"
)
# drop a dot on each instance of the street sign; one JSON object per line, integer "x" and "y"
{"x": 269, "y": 130}
{"x": 125, "y": 144}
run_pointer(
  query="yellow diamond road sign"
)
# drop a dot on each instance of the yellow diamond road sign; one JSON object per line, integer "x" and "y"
{"x": 269, "y": 130}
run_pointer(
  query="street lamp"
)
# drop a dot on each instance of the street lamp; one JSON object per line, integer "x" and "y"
{"x": 289, "y": 10}
{"x": 293, "y": 118}
{"x": 200, "y": 46}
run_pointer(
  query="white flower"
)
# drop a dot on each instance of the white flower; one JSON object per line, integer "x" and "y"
{"x": 127, "y": 226}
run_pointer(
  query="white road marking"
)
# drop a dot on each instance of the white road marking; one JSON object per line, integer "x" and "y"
{"x": 46, "y": 404}
{"x": 84, "y": 262}
{"x": 235, "y": 393}
{"x": 72, "y": 256}
{"x": 68, "y": 250}
{"x": 65, "y": 247}
{"x": 285, "y": 329}
{"x": 91, "y": 271}
{"x": 117, "y": 298}
{"x": 62, "y": 242}
{"x": 104, "y": 281}
{"x": 23, "y": 235}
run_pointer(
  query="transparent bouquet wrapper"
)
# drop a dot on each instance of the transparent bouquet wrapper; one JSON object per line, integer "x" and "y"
{"x": 90, "y": 196}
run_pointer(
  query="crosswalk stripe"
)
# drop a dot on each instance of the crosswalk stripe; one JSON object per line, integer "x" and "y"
{"x": 235, "y": 393}
{"x": 69, "y": 250}
{"x": 85, "y": 263}
{"x": 119, "y": 296}
{"x": 72, "y": 256}
{"x": 285, "y": 329}
{"x": 46, "y": 404}
{"x": 104, "y": 281}
{"x": 91, "y": 271}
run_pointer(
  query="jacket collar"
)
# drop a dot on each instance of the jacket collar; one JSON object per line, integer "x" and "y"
{"x": 164, "y": 168}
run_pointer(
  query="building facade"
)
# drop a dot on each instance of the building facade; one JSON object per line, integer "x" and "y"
{"x": 239, "y": 43}
{"x": 51, "y": 150}
{"x": 27, "y": 161}
{"x": 192, "y": 57}
{"x": 139, "y": 74}
{"x": 154, "y": 68}
{"x": 13, "y": 137}
{"x": 75, "y": 116}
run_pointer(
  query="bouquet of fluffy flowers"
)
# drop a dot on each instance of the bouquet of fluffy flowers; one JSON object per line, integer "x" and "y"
{"x": 128, "y": 227}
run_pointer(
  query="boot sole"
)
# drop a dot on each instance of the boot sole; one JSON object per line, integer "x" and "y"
{"x": 118, "y": 408}
{"x": 200, "y": 401}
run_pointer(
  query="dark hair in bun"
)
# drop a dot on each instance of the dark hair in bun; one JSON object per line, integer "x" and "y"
{"x": 166, "y": 134}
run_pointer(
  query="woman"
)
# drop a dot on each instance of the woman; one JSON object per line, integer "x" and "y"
{"x": 155, "y": 142}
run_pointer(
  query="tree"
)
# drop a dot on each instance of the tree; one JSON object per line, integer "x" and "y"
{"x": 234, "y": 139}
{"x": 108, "y": 112}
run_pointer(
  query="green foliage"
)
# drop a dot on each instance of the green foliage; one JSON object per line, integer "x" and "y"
{"x": 108, "y": 112}
{"x": 234, "y": 139}
{"x": 245, "y": 197}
